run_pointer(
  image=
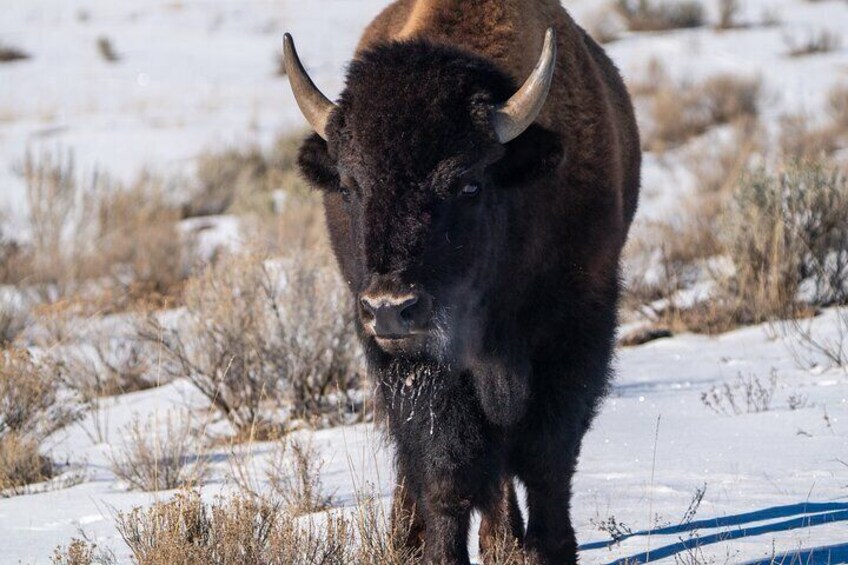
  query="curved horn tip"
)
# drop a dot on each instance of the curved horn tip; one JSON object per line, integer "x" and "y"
{"x": 514, "y": 117}
{"x": 314, "y": 106}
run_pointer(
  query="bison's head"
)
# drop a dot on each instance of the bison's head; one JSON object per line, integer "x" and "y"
{"x": 420, "y": 163}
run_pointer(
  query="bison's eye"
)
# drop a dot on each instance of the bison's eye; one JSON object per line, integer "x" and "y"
{"x": 345, "y": 192}
{"x": 471, "y": 190}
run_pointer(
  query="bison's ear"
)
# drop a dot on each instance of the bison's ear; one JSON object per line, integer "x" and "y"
{"x": 535, "y": 152}
{"x": 316, "y": 164}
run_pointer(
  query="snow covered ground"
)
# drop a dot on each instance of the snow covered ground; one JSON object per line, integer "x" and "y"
{"x": 776, "y": 481}
{"x": 199, "y": 75}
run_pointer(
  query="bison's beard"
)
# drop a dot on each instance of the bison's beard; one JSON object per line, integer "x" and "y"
{"x": 411, "y": 383}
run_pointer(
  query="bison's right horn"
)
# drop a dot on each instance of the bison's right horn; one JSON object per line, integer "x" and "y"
{"x": 316, "y": 107}
{"x": 520, "y": 111}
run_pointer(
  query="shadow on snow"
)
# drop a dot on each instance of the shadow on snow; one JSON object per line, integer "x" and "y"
{"x": 804, "y": 515}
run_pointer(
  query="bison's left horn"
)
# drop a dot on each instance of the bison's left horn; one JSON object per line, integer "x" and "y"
{"x": 316, "y": 107}
{"x": 519, "y": 112}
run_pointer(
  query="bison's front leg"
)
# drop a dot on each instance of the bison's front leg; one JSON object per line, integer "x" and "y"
{"x": 501, "y": 527}
{"x": 407, "y": 523}
{"x": 448, "y": 453}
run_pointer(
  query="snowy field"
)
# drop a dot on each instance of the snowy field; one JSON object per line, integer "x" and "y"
{"x": 198, "y": 75}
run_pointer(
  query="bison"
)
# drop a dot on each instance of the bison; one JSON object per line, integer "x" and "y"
{"x": 480, "y": 172}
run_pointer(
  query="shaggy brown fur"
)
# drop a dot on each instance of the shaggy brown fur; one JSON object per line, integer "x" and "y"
{"x": 588, "y": 105}
{"x": 504, "y": 379}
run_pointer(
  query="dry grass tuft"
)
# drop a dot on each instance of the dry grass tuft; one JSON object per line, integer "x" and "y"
{"x": 91, "y": 229}
{"x": 9, "y": 54}
{"x": 651, "y": 15}
{"x": 786, "y": 236}
{"x": 14, "y": 317}
{"x": 821, "y": 41}
{"x": 296, "y": 480}
{"x": 30, "y": 410}
{"x": 154, "y": 457}
{"x": 728, "y": 12}
{"x": 232, "y": 530}
{"x": 801, "y": 139}
{"x": 246, "y": 180}
{"x": 266, "y": 343}
{"x": 244, "y": 529}
{"x": 106, "y": 50}
{"x": 679, "y": 113}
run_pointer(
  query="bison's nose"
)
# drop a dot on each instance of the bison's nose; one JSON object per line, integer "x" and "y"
{"x": 392, "y": 316}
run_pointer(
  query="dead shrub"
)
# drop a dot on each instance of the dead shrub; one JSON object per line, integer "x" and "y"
{"x": 245, "y": 180}
{"x": 97, "y": 230}
{"x": 821, "y": 41}
{"x": 231, "y": 530}
{"x": 9, "y": 54}
{"x": 679, "y": 113}
{"x": 21, "y": 464}
{"x": 802, "y": 139}
{"x": 82, "y": 551}
{"x": 728, "y": 11}
{"x": 154, "y": 457}
{"x": 784, "y": 232}
{"x": 810, "y": 345}
{"x": 651, "y": 15}
{"x": 748, "y": 395}
{"x": 267, "y": 343}
{"x": 837, "y": 107}
{"x": 296, "y": 480}
{"x": 14, "y": 316}
{"x": 30, "y": 410}
{"x": 106, "y": 50}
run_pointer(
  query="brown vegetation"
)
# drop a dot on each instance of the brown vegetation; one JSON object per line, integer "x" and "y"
{"x": 802, "y": 139}
{"x": 728, "y": 12}
{"x": 266, "y": 344}
{"x": 243, "y": 529}
{"x": 30, "y": 410}
{"x": 652, "y": 15}
{"x": 106, "y": 50}
{"x": 784, "y": 235}
{"x": 9, "y": 54}
{"x": 821, "y": 41}
{"x": 680, "y": 112}
{"x": 156, "y": 457}
{"x": 96, "y": 230}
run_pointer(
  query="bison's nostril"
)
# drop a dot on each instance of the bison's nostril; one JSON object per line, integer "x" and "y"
{"x": 406, "y": 309}
{"x": 390, "y": 316}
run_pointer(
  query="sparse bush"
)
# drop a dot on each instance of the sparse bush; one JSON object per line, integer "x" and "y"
{"x": 837, "y": 107}
{"x": 727, "y": 399}
{"x": 9, "y": 54}
{"x": 802, "y": 139}
{"x": 14, "y": 316}
{"x": 811, "y": 346}
{"x": 21, "y": 463}
{"x": 156, "y": 458}
{"x": 107, "y": 50}
{"x": 78, "y": 552}
{"x": 245, "y": 180}
{"x": 257, "y": 339}
{"x": 786, "y": 231}
{"x": 728, "y": 12}
{"x": 228, "y": 532}
{"x": 296, "y": 480}
{"x": 30, "y": 410}
{"x": 821, "y": 41}
{"x": 97, "y": 230}
{"x": 681, "y": 112}
{"x": 651, "y": 15}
